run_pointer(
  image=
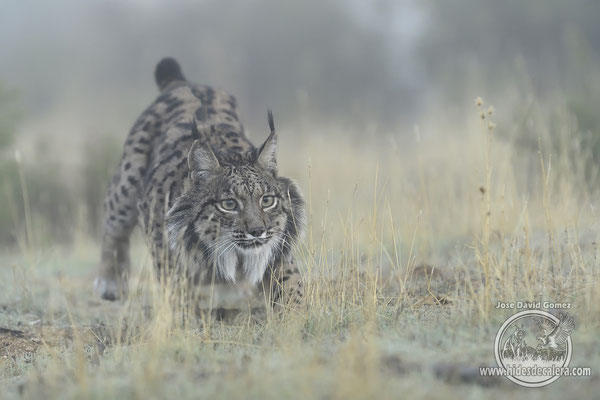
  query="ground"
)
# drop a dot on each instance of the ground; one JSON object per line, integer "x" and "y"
{"x": 406, "y": 255}
{"x": 58, "y": 339}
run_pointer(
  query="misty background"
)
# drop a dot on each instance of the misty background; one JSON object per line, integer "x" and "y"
{"x": 75, "y": 75}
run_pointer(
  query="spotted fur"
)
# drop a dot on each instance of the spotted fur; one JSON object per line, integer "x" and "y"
{"x": 186, "y": 163}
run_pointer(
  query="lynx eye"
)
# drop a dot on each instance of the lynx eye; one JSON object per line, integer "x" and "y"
{"x": 268, "y": 202}
{"x": 229, "y": 205}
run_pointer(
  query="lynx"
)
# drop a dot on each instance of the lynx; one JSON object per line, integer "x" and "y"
{"x": 211, "y": 204}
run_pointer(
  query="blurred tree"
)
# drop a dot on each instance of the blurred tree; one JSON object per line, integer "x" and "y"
{"x": 37, "y": 204}
{"x": 543, "y": 55}
{"x": 9, "y": 116}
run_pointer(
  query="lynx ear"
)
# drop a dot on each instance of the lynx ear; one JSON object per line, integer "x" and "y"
{"x": 201, "y": 159}
{"x": 267, "y": 153}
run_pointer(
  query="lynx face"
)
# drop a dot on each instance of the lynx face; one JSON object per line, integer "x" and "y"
{"x": 238, "y": 216}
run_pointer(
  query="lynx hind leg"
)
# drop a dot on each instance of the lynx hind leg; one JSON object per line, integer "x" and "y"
{"x": 120, "y": 217}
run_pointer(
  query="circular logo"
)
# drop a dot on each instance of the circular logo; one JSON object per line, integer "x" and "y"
{"x": 533, "y": 346}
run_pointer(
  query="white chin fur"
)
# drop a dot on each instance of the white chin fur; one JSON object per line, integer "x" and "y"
{"x": 254, "y": 262}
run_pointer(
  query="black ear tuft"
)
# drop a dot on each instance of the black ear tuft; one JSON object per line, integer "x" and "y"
{"x": 200, "y": 133}
{"x": 196, "y": 134}
{"x": 270, "y": 119}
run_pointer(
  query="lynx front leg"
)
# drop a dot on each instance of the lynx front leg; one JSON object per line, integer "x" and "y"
{"x": 286, "y": 288}
{"x": 112, "y": 281}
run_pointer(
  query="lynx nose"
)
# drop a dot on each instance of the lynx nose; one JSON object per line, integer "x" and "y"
{"x": 257, "y": 232}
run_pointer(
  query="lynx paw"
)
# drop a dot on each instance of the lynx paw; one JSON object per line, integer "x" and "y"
{"x": 110, "y": 289}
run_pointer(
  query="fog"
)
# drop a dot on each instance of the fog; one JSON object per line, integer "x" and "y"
{"x": 85, "y": 67}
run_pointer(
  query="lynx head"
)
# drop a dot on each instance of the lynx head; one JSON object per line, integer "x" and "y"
{"x": 236, "y": 214}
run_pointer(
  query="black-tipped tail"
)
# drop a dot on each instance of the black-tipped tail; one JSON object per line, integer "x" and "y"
{"x": 167, "y": 71}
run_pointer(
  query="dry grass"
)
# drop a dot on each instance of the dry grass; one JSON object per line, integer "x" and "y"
{"x": 409, "y": 247}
